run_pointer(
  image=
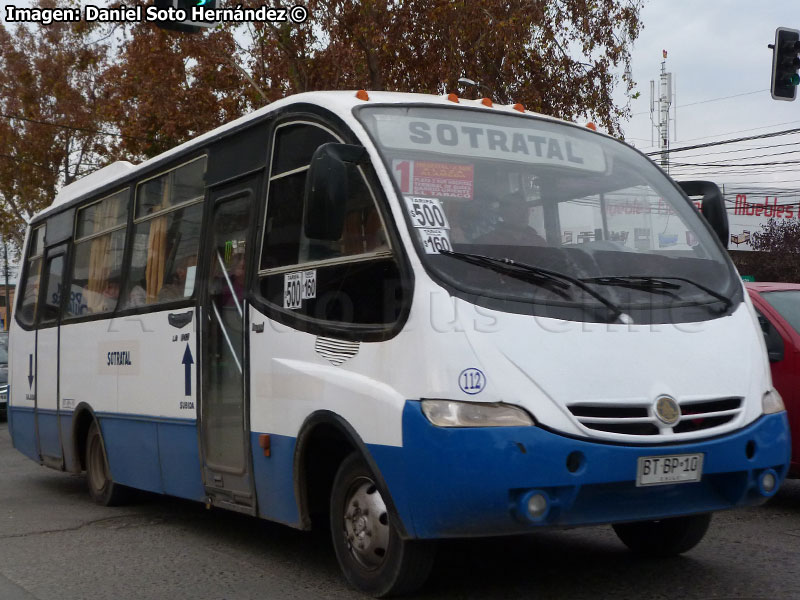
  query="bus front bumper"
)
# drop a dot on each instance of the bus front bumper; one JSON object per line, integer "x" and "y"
{"x": 464, "y": 482}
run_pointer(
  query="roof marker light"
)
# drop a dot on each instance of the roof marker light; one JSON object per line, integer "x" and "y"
{"x": 362, "y": 95}
{"x": 591, "y": 126}
{"x": 487, "y": 102}
{"x": 518, "y": 107}
{"x": 452, "y": 98}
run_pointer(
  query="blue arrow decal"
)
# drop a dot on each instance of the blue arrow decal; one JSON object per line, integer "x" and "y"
{"x": 188, "y": 362}
{"x": 30, "y": 371}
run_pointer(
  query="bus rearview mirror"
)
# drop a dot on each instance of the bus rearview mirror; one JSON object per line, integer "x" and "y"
{"x": 712, "y": 206}
{"x": 327, "y": 190}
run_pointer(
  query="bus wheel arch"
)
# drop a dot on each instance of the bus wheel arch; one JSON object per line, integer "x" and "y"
{"x": 324, "y": 442}
{"x": 102, "y": 488}
{"x": 82, "y": 420}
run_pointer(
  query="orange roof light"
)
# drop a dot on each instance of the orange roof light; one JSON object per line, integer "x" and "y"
{"x": 362, "y": 95}
{"x": 591, "y": 126}
{"x": 452, "y": 97}
{"x": 518, "y": 107}
{"x": 487, "y": 102}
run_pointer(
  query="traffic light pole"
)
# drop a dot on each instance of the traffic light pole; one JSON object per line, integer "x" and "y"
{"x": 785, "y": 63}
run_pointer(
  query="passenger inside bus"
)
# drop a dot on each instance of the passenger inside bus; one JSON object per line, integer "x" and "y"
{"x": 110, "y": 294}
{"x": 175, "y": 289}
{"x": 137, "y": 296}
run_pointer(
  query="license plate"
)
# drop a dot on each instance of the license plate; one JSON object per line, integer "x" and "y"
{"x": 672, "y": 468}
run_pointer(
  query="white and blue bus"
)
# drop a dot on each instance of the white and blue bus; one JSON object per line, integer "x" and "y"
{"x": 405, "y": 317}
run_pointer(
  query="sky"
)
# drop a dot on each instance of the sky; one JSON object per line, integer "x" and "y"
{"x": 718, "y": 54}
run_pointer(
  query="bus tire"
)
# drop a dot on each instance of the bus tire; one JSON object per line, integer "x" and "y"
{"x": 98, "y": 476}
{"x": 371, "y": 553}
{"x": 665, "y": 537}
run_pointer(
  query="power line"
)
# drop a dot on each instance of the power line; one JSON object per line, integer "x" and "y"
{"x": 747, "y": 149}
{"x": 723, "y": 142}
{"x": 705, "y": 137}
{"x": 647, "y": 112}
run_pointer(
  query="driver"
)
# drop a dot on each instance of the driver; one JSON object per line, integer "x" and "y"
{"x": 512, "y": 227}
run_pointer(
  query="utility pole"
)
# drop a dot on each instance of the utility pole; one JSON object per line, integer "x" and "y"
{"x": 7, "y": 319}
{"x": 665, "y": 100}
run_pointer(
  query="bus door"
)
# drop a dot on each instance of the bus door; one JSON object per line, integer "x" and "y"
{"x": 47, "y": 360}
{"x": 224, "y": 405}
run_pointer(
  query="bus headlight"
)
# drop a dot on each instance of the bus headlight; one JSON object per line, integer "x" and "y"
{"x": 450, "y": 413}
{"x": 772, "y": 402}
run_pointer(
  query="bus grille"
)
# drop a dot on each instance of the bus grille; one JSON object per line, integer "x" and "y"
{"x": 637, "y": 418}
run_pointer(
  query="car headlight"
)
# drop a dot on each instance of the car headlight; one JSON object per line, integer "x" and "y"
{"x": 772, "y": 402}
{"x": 450, "y": 413}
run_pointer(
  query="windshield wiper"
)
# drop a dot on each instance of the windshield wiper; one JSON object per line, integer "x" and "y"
{"x": 554, "y": 279}
{"x": 657, "y": 284}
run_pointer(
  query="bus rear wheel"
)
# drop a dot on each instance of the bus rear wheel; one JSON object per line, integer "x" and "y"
{"x": 371, "y": 553}
{"x": 101, "y": 488}
{"x": 665, "y": 537}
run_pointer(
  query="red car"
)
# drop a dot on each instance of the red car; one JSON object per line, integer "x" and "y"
{"x": 778, "y": 309}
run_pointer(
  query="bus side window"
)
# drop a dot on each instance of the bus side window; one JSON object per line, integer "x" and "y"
{"x": 166, "y": 236}
{"x": 26, "y": 313}
{"x": 356, "y": 278}
{"x": 99, "y": 246}
{"x": 51, "y": 304}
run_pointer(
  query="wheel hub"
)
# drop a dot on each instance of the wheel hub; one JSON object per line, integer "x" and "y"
{"x": 366, "y": 524}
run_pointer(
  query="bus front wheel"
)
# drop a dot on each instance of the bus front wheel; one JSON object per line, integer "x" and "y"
{"x": 665, "y": 537}
{"x": 101, "y": 488}
{"x": 371, "y": 554}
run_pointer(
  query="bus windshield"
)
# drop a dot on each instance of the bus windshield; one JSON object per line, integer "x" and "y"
{"x": 585, "y": 220}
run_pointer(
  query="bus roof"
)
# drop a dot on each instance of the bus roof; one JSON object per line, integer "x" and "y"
{"x": 339, "y": 102}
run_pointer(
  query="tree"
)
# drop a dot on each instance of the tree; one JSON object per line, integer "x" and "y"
{"x": 168, "y": 86}
{"x": 74, "y": 97}
{"x": 49, "y": 126}
{"x": 165, "y": 87}
{"x": 520, "y": 50}
{"x": 777, "y": 252}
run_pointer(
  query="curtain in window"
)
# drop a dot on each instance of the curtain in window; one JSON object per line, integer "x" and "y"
{"x": 157, "y": 250}
{"x": 99, "y": 259}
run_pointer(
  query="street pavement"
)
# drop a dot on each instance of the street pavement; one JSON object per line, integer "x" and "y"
{"x": 55, "y": 544}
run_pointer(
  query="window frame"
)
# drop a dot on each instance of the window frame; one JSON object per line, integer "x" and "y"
{"x": 73, "y": 254}
{"x": 163, "y": 211}
{"x": 133, "y": 221}
{"x": 314, "y": 264}
{"x": 343, "y": 132}
{"x": 91, "y": 236}
{"x": 60, "y": 250}
{"x": 39, "y": 225}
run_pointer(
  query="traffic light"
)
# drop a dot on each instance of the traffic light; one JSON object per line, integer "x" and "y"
{"x": 188, "y": 24}
{"x": 785, "y": 64}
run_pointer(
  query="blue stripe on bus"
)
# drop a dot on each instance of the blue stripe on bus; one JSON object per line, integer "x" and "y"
{"x": 156, "y": 454}
{"x": 49, "y": 441}
{"x": 23, "y": 430}
{"x": 274, "y": 479}
{"x": 462, "y": 481}
{"x": 455, "y": 482}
